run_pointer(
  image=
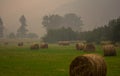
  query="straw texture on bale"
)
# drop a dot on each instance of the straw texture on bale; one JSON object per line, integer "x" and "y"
{"x": 79, "y": 46}
{"x": 88, "y": 65}
{"x": 109, "y": 50}
{"x": 44, "y": 45}
{"x": 89, "y": 48}
{"x": 34, "y": 46}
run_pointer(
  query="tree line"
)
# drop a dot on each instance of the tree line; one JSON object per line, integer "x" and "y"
{"x": 109, "y": 32}
{"x": 68, "y": 28}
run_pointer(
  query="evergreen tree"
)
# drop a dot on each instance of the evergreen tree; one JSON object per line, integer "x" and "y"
{"x": 114, "y": 26}
{"x": 22, "y": 31}
{"x": 1, "y": 28}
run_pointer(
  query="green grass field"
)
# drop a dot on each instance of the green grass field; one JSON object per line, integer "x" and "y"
{"x": 54, "y": 61}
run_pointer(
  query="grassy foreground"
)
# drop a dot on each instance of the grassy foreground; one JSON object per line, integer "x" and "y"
{"x": 55, "y": 61}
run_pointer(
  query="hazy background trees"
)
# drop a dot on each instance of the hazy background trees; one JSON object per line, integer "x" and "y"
{"x": 1, "y": 28}
{"x": 61, "y": 34}
{"x": 61, "y": 27}
{"x": 56, "y": 21}
{"x": 22, "y": 31}
{"x": 52, "y": 21}
{"x": 114, "y": 26}
{"x": 71, "y": 30}
{"x": 67, "y": 28}
{"x": 73, "y": 21}
{"x": 109, "y": 32}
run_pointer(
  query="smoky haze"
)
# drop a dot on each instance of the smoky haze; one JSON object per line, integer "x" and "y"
{"x": 93, "y": 12}
{"x": 34, "y": 10}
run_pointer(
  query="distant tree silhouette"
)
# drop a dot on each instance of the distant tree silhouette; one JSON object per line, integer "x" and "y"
{"x": 61, "y": 27}
{"x": 114, "y": 26}
{"x": 61, "y": 34}
{"x": 73, "y": 21}
{"x": 1, "y": 28}
{"x": 22, "y": 31}
{"x": 52, "y": 21}
{"x": 68, "y": 20}
{"x": 110, "y": 32}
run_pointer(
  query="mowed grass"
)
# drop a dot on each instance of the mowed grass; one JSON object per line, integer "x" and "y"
{"x": 54, "y": 61}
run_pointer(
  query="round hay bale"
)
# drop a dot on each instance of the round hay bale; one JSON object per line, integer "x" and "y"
{"x": 88, "y": 65}
{"x": 79, "y": 46}
{"x": 109, "y": 50}
{"x": 34, "y": 46}
{"x": 89, "y": 48}
{"x": 44, "y": 45}
{"x": 20, "y": 44}
{"x": 5, "y": 43}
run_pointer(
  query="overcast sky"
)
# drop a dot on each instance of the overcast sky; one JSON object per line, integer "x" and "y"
{"x": 93, "y": 12}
